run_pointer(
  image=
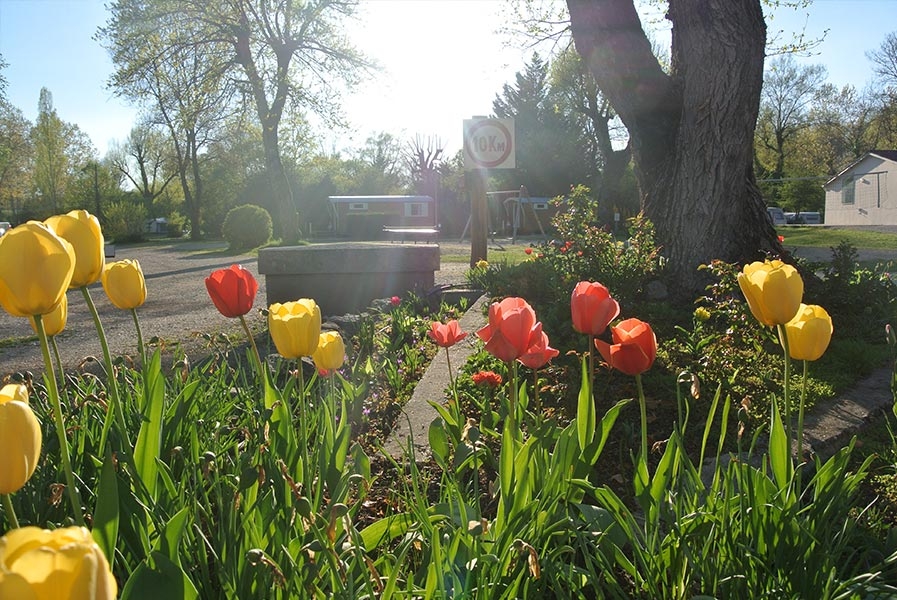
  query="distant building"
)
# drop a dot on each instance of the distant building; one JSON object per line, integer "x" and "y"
{"x": 364, "y": 217}
{"x": 865, "y": 193}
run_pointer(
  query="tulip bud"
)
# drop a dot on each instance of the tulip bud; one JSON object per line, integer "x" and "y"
{"x": 232, "y": 290}
{"x": 63, "y": 563}
{"x": 295, "y": 327}
{"x": 82, "y": 230}
{"x": 809, "y": 332}
{"x": 36, "y": 268}
{"x": 54, "y": 322}
{"x": 592, "y": 308}
{"x": 634, "y": 348}
{"x": 773, "y": 291}
{"x": 124, "y": 284}
{"x": 21, "y": 437}
{"x": 330, "y": 353}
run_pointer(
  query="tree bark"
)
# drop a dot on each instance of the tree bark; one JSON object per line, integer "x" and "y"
{"x": 691, "y": 130}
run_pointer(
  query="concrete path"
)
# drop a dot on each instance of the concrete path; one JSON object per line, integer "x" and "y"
{"x": 418, "y": 413}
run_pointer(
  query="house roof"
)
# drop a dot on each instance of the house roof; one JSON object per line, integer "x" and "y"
{"x": 374, "y": 199}
{"x": 890, "y": 155}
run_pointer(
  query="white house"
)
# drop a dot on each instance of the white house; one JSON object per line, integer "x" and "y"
{"x": 865, "y": 193}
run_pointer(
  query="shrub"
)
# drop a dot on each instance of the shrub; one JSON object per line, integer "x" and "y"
{"x": 247, "y": 226}
{"x": 125, "y": 222}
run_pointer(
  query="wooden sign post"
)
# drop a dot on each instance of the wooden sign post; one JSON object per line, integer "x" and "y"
{"x": 488, "y": 144}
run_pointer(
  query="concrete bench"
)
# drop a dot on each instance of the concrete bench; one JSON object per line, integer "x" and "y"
{"x": 345, "y": 277}
{"x": 428, "y": 234}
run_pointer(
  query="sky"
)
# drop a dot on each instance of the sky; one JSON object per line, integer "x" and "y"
{"x": 443, "y": 61}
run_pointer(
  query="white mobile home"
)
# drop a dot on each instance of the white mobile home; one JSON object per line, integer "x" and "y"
{"x": 865, "y": 193}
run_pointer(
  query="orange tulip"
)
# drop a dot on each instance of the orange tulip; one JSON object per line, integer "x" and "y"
{"x": 592, "y": 308}
{"x": 512, "y": 329}
{"x": 634, "y": 347}
{"x": 446, "y": 335}
{"x": 538, "y": 355}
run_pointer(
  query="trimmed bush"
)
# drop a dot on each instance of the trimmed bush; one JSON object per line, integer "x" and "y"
{"x": 124, "y": 222}
{"x": 247, "y": 226}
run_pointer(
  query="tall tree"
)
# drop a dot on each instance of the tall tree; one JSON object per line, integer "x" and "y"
{"x": 789, "y": 93}
{"x": 60, "y": 149}
{"x": 16, "y": 154}
{"x": 284, "y": 51}
{"x": 691, "y": 129}
{"x": 884, "y": 61}
{"x": 549, "y": 149}
{"x": 144, "y": 160}
{"x": 606, "y": 140}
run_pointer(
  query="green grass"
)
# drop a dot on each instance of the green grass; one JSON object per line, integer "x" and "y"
{"x": 510, "y": 254}
{"x": 826, "y": 237}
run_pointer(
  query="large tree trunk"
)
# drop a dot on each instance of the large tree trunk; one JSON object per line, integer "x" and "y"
{"x": 691, "y": 131}
{"x": 286, "y": 219}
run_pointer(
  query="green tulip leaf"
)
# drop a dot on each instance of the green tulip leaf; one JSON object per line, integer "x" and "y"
{"x": 159, "y": 577}
{"x": 585, "y": 410}
{"x": 149, "y": 437}
{"x": 106, "y": 515}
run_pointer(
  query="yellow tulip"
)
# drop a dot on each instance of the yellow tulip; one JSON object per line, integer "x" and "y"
{"x": 330, "y": 353}
{"x": 809, "y": 332}
{"x": 773, "y": 291}
{"x": 36, "y": 268}
{"x": 124, "y": 284}
{"x": 54, "y": 322}
{"x": 41, "y": 564}
{"x": 20, "y": 436}
{"x": 295, "y": 327}
{"x": 83, "y": 231}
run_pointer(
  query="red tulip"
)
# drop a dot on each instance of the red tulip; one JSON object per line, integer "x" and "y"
{"x": 446, "y": 335}
{"x": 634, "y": 347}
{"x": 592, "y": 308}
{"x": 512, "y": 329}
{"x": 538, "y": 355}
{"x": 232, "y": 290}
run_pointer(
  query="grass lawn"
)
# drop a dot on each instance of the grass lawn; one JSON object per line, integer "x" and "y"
{"x": 827, "y": 237}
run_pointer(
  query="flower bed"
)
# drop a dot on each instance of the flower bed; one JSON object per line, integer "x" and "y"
{"x": 258, "y": 479}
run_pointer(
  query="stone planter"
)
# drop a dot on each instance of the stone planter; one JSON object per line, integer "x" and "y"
{"x": 345, "y": 277}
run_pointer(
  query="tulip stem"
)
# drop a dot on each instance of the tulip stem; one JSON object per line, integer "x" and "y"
{"x": 140, "y": 347}
{"x": 800, "y": 415}
{"x": 74, "y": 496}
{"x": 783, "y": 335}
{"x": 59, "y": 366}
{"x": 11, "y": 519}
{"x": 644, "y": 415}
{"x": 255, "y": 350}
{"x": 592, "y": 361}
{"x": 111, "y": 383}
{"x": 512, "y": 404}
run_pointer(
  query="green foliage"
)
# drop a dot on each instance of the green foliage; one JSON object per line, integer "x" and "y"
{"x": 125, "y": 222}
{"x": 247, "y": 226}
{"x": 584, "y": 251}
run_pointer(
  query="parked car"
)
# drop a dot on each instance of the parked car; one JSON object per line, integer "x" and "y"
{"x": 789, "y": 217}
{"x": 776, "y": 215}
{"x": 4, "y": 227}
{"x": 810, "y": 218}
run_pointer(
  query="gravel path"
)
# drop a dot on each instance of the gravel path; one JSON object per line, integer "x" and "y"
{"x": 177, "y": 308}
